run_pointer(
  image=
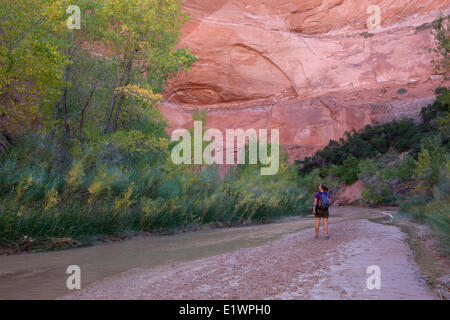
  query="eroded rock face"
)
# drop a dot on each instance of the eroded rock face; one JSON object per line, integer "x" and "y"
{"x": 310, "y": 68}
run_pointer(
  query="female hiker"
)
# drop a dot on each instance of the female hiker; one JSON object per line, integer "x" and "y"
{"x": 320, "y": 209}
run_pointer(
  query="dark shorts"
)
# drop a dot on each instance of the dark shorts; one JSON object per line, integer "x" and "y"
{"x": 322, "y": 213}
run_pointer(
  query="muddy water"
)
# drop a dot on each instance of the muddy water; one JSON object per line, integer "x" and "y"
{"x": 42, "y": 275}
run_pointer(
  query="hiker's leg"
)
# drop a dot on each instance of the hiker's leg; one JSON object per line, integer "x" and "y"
{"x": 325, "y": 226}
{"x": 317, "y": 226}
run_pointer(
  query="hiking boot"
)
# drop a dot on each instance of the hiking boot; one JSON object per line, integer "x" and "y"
{"x": 316, "y": 237}
{"x": 328, "y": 237}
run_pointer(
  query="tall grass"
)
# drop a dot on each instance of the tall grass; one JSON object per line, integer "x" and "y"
{"x": 110, "y": 187}
{"x": 435, "y": 213}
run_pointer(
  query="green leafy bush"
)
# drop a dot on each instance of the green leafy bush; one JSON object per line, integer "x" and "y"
{"x": 126, "y": 182}
{"x": 377, "y": 194}
{"x": 378, "y": 139}
{"x": 435, "y": 213}
{"x": 368, "y": 168}
{"x": 429, "y": 163}
{"x": 348, "y": 172}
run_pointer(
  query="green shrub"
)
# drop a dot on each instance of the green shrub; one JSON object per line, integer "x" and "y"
{"x": 378, "y": 194}
{"x": 126, "y": 182}
{"x": 428, "y": 165}
{"x": 378, "y": 139}
{"x": 368, "y": 168}
{"x": 311, "y": 181}
{"x": 405, "y": 171}
{"x": 348, "y": 172}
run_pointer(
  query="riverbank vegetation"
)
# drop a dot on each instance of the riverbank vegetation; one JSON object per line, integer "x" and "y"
{"x": 402, "y": 163}
{"x": 84, "y": 151}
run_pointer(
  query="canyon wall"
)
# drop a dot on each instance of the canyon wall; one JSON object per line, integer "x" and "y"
{"x": 310, "y": 68}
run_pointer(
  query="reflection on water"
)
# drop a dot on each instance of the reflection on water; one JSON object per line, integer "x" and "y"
{"x": 42, "y": 275}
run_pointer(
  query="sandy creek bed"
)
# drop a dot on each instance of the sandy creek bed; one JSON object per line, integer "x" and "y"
{"x": 291, "y": 265}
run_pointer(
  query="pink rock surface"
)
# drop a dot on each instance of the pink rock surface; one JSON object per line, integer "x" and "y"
{"x": 349, "y": 195}
{"x": 304, "y": 67}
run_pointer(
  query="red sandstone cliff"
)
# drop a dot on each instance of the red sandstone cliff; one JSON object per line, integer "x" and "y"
{"x": 308, "y": 67}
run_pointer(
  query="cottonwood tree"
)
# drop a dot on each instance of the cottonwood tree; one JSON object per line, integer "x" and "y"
{"x": 141, "y": 36}
{"x": 77, "y": 59}
{"x": 31, "y": 64}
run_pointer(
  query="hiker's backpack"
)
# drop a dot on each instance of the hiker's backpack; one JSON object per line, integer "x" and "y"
{"x": 324, "y": 203}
